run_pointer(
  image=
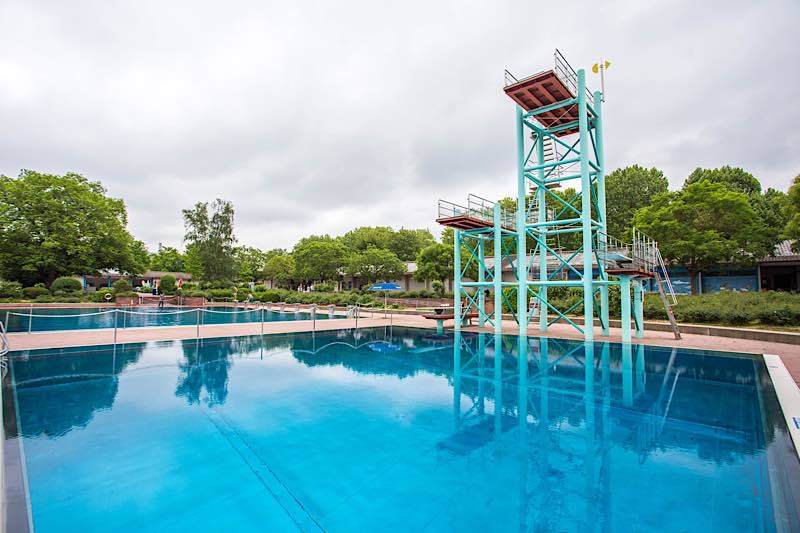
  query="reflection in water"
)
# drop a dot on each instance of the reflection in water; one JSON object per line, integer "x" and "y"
{"x": 59, "y": 393}
{"x": 523, "y": 432}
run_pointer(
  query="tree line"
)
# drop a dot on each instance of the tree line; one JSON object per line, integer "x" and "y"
{"x": 53, "y": 226}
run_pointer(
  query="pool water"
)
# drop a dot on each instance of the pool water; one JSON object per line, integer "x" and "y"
{"x": 397, "y": 429}
{"x": 61, "y": 318}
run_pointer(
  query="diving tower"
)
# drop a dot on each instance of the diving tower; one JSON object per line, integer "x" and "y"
{"x": 559, "y": 138}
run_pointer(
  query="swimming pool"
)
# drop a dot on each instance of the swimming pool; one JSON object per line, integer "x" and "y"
{"x": 396, "y": 429}
{"x": 61, "y": 318}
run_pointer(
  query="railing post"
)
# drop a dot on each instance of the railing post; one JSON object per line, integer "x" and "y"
{"x": 198, "y": 322}
{"x": 357, "y": 313}
{"x": 313, "y": 317}
{"x": 30, "y": 319}
{"x": 262, "y": 320}
{"x": 5, "y": 324}
{"x": 116, "y": 314}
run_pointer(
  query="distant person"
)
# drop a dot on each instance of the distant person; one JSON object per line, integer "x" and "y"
{"x": 161, "y": 302}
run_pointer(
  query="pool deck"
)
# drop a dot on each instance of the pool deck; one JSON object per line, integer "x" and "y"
{"x": 789, "y": 354}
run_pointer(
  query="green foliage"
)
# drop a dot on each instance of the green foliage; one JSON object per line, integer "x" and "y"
{"x": 731, "y": 308}
{"x": 375, "y": 264}
{"x": 792, "y": 210}
{"x": 627, "y": 190}
{"x": 771, "y": 209}
{"x": 54, "y": 226}
{"x": 100, "y": 294}
{"x": 66, "y": 284}
{"x": 404, "y": 243}
{"x": 210, "y": 230}
{"x": 167, "y": 285}
{"x": 250, "y": 263}
{"x": 438, "y": 288}
{"x": 280, "y": 269}
{"x": 323, "y": 286}
{"x": 734, "y": 178}
{"x": 168, "y": 259}
{"x": 31, "y": 293}
{"x": 435, "y": 262}
{"x": 10, "y": 289}
{"x": 407, "y": 243}
{"x": 704, "y": 224}
{"x": 121, "y": 286}
{"x": 319, "y": 258}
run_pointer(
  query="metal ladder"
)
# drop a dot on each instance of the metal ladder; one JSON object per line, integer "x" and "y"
{"x": 662, "y": 292}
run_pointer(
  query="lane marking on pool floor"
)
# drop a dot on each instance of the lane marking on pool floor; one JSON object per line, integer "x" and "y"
{"x": 293, "y": 507}
{"x": 788, "y": 396}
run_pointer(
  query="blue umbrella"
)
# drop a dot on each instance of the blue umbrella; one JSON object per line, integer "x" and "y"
{"x": 385, "y": 287}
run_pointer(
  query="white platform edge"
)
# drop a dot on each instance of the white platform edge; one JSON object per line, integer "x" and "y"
{"x": 788, "y": 396}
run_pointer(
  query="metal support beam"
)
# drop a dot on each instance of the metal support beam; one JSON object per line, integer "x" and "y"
{"x": 498, "y": 274}
{"x": 625, "y": 306}
{"x": 601, "y": 206}
{"x": 481, "y": 279}
{"x": 522, "y": 260}
{"x": 457, "y": 280}
{"x": 586, "y": 210}
{"x": 638, "y": 307}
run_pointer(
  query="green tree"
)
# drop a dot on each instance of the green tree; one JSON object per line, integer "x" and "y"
{"x": 168, "y": 259}
{"x": 167, "y": 284}
{"x": 627, "y": 190}
{"x": 359, "y": 239}
{"x": 53, "y": 225}
{"x": 704, "y": 224}
{"x": 792, "y": 210}
{"x": 280, "y": 269}
{"x": 375, "y": 264}
{"x": 192, "y": 262}
{"x": 210, "y": 229}
{"x": 320, "y": 258}
{"x": 435, "y": 262}
{"x": 406, "y": 243}
{"x": 734, "y": 178}
{"x": 771, "y": 208}
{"x": 250, "y": 263}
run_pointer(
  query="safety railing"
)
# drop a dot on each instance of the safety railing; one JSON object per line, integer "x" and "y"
{"x": 648, "y": 258}
{"x": 612, "y": 252}
{"x": 4, "y": 346}
{"x": 567, "y": 74}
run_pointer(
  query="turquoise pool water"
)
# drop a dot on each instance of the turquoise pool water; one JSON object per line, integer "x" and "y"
{"x": 61, "y": 318}
{"x": 393, "y": 429}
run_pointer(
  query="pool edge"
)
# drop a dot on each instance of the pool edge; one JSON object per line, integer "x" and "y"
{"x": 788, "y": 395}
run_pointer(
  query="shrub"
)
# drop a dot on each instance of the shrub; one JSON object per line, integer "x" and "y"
{"x": 167, "y": 284}
{"x": 323, "y": 286}
{"x": 194, "y": 293}
{"x": 189, "y": 286}
{"x": 31, "y": 293}
{"x": 219, "y": 294}
{"x": 10, "y": 289}
{"x": 438, "y": 288}
{"x": 121, "y": 285}
{"x": 100, "y": 295}
{"x": 217, "y": 284}
{"x": 66, "y": 284}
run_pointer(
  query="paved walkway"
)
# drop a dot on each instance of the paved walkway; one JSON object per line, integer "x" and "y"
{"x": 790, "y": 354}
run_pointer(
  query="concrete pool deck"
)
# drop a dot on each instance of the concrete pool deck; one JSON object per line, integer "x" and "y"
{"x": 789, "y": 353}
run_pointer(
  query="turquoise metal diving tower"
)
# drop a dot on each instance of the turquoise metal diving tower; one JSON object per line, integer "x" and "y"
{"x": 559, "y": 142}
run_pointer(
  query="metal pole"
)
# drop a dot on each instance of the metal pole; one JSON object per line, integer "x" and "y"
{"x": 481, "y": 280}
{"x": 30, "y": 319}
{"x": 313, "y": 317}
{"x": 262, "y": 320}
{"x": 601, "y": 205}
{"x": 457, "y": 280}
{"x": 357, "y": 313}
{"x": 198, "y": 322}
{"x": 586, "y": 209}
{"x": 6, "y": 322}
{"x": 522, "y": 260}
{"x": 498, "y": 272}
{"x": 542, "y": 218}
{"x": 116, "y": 314}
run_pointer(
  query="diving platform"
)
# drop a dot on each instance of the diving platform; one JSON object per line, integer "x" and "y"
{"x": 477, "y": 215}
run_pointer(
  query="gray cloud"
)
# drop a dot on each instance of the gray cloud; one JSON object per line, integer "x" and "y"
{"x": 316, "y": 117}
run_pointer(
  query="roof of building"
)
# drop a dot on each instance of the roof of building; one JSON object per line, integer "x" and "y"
{"x": 783, "y": 253}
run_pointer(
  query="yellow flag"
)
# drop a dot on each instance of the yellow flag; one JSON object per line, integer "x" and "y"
{"x": 596, "y": 66}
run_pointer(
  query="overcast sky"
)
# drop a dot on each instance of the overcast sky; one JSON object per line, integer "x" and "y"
{"x": 315, "y": 117}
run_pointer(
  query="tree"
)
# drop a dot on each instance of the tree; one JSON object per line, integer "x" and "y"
{"x": 771, "y": 208}
{"x": 704, "y": 224}
{"x": 211, "y": 231}
{"x": 628, "y": 189}
{"x": 250, "y": 263}
{"x": 375, "y": 264}
{"x": 359, "y": 239}
{"x": 320, "y": 258}
{"x": 192, "y": 262}
{"x": 168, "y": 259}
{"x": 734, "y": 178}
{"x": 53, "y": 225}
{"x": 406, "y": 243}
{"x": 792, "y": 210}
{"x": 167, "y": 284}
{"x": 435, "y": 262}
{"x": 280, "y": 269}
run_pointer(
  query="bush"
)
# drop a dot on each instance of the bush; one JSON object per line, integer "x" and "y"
{"x": 10, "y": 289}
{"x": 100, "y": 295}
{"x": 323, "y": 286}
{"x": 189, "y": 286}
{"x": 217, "y": 284}
{"x": 438, "y": 287}
{"x": 167, "y": 284}
{"x": 220, "y": 294}
{"x": 66, "y": 284}
{"x": 121, "y": 285}
{"x": 194, "y": 294}
{"x": 31, "y": 293}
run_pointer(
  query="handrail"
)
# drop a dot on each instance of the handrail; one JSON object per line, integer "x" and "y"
{"x": 5, "y": 348}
